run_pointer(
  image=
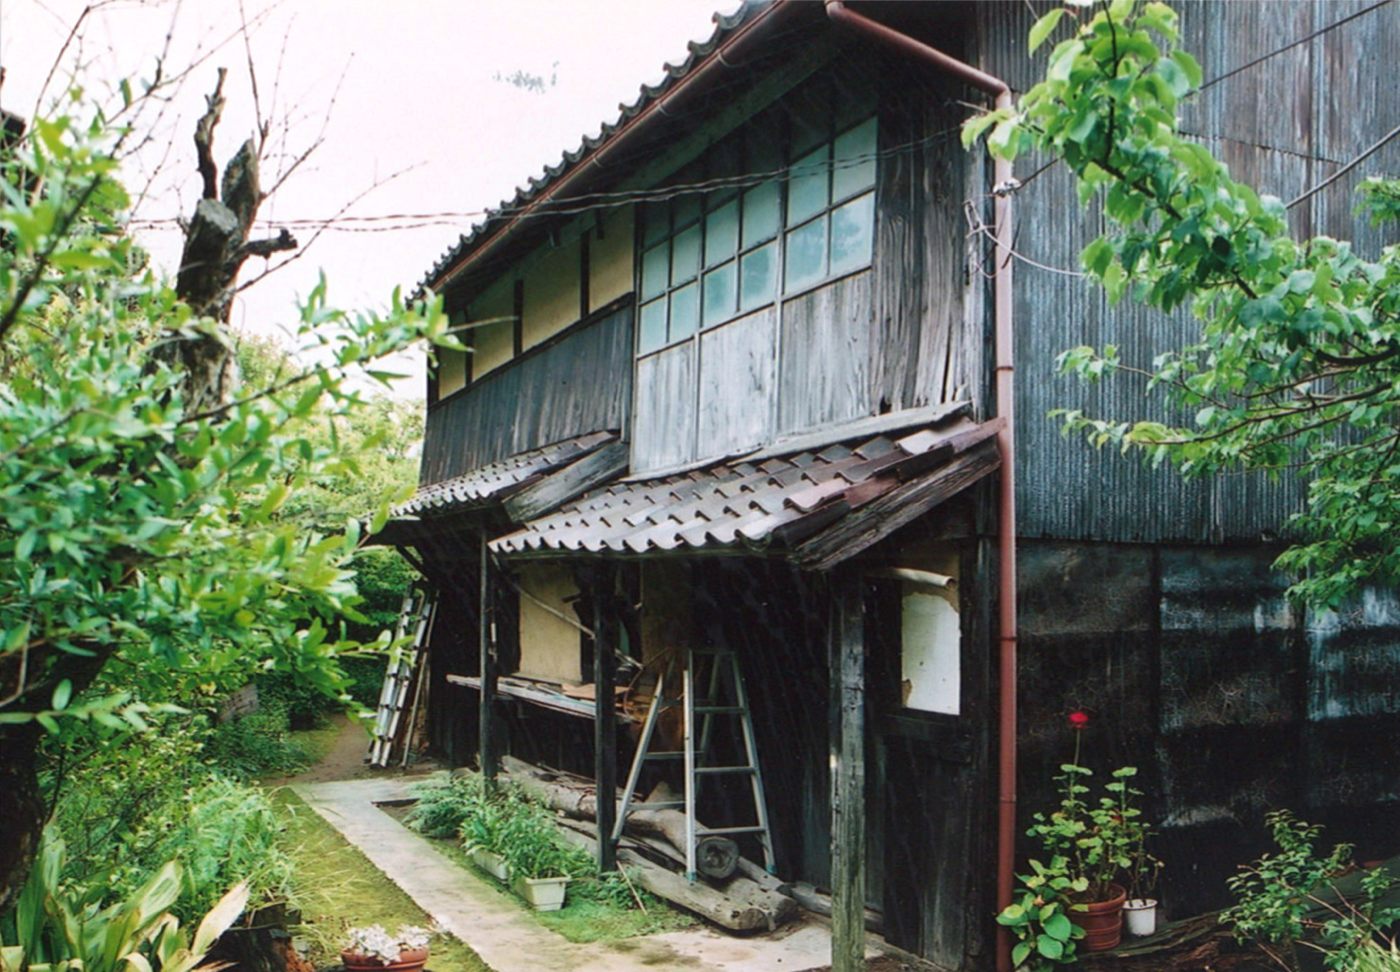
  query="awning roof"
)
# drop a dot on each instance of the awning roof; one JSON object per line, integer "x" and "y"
{"x": 496, "y": 481}
{"x": 815, "y": 505}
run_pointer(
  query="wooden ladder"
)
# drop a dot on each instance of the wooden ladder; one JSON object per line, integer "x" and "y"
{"x": 721, "y": 674}
{"x": 418, "y": 612}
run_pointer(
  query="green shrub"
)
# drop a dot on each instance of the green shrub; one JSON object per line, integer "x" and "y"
{"x": 61, "y": 927}
{"x": 1297, "y": 901}
{"x": 257, "y": 744}
{"x": 103, "y": 788}
{"x": 444, "y": 803}
{"x": 221, "y": 832}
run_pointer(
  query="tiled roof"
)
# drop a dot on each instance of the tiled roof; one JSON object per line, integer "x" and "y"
{"x": 697, "y": 51}
{"x": 496, "y": 481}
{"x": 774, "y": 501}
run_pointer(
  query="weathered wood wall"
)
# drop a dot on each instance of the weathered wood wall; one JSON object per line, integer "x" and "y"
{"x": 578, "y": 383}
{"x": 1283, "y": 125}
{"x": 1195, "y": 669}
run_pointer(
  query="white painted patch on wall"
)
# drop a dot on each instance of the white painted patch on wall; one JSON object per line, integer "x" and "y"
{"x": 1273, "y": 614}
{"x": 930, "y": 640}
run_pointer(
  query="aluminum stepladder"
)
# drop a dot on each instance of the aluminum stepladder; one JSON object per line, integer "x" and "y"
{"x": 417, "y": 615}
{"x": 723, "y": 667}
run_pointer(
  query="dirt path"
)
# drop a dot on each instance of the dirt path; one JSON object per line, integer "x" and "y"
{"x": 345, "y": 760}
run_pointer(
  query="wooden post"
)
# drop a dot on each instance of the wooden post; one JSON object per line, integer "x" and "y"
{"x": 605, "y": 630}
{"x": 847, "y": 668}
{"x": 487, "y": 754}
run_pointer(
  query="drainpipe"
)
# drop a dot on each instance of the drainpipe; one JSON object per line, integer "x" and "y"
{"x": 746, "y": 39}
{"x": 1005, "y": 407}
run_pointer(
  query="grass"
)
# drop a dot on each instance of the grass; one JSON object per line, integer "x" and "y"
{"x": 583, "y": 919}
{"x": 336, "y": 888}
{"x": 316, "y": 743}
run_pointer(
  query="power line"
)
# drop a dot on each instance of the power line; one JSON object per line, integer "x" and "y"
{"x": 1387, "y": 137}
{"x": 1288, "y": 47}
{"x": 589, "y": 202}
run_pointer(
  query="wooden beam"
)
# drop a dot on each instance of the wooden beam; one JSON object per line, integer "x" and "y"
{"x": 573, "y": 480}
{"x": 605, "y": 633}
{"x": 876, "y": 520}
{"x": 847, "y": 669}
{"x": 487, "y": 756}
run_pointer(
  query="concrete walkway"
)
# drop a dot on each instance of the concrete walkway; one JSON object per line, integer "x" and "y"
{"x": 496, "y": 926}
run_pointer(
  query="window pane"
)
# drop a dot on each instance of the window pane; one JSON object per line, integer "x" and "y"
{"x": 807, "y": 188}
{"x": 722, "y": 162}
{"x": 721, "y": 234}
{"x": 854, "y": 167}
{"x": 685, "y": 311}
{"x": 806, "y": 255}
{"x": 653, "y": 326}
{"x": 852, "y": 232}
{"x": 655, "y": 222}
{"x": 719, "y": 294}
{"x": 687, "y": 209}
{"x": 685, "y": 255}
{"x": 758, "y": 273}
{"x": 654, "y": 264}
{"x": 760, "y": 213}
{"x": 764, "y": 151}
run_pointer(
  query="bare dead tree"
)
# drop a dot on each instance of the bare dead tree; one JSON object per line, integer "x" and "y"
{"x": 216, "y": 246}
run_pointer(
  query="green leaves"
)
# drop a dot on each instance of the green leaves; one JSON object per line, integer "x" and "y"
{"x": 1043, "y": 28}
{"x": 1295, "y": 366}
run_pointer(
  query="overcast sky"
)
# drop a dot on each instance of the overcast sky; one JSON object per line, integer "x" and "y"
{"x": 410, "y": 94}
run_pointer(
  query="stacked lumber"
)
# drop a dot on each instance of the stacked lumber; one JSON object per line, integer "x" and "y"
{"x": 653, "y": 852}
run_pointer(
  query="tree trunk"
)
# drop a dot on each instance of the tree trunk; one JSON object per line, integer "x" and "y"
{"x": 22, "y": 811}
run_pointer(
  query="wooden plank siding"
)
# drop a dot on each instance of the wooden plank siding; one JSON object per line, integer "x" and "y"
{"x": 738, "y": 379}
{"x": 663, "y": 430}
{"x": 577, "y": 383}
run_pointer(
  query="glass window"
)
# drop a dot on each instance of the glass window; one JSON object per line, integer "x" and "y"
{"x": 806, "y": 255}
{"x": 708, "y": 257}
{"x": 807, "y": 186}
{"x": 685, "y": 255}
{"x": 758, "y": 273}
{"x": 852, "y": 233}
{"x": 853, "y": 168}
{"x": 653, "y": 329}
{"x": 720, "y": 287}
{"x": 762, "y": 213}
{"x": 656, "y": 222}
{"x": 654, "y": 266}
{"x": 686, "y": 209}
{"x": 722, "y": 234}
{"x": 685, "y": 311}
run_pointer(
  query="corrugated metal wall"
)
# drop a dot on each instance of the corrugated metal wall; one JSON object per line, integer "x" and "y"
{"x": 1282, "y": 125}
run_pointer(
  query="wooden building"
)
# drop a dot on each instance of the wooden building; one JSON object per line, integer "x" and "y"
{"x": 731, "y": 386}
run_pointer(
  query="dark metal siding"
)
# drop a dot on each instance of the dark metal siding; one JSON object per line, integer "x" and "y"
{"x": 580, "y": 383}
{"x": 1283, "y": 126}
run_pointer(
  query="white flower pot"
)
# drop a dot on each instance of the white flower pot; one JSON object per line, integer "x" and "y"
{"x": 1141, "y": 916}
{"x": 544, "y": 894}
{"x": 492, "y": 863}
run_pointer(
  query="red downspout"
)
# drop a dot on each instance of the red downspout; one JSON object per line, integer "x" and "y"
{"x": 1005, "y": 406}
{"x": 722, "y": 58}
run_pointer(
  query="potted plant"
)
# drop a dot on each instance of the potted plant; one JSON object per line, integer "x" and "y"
{"x": 539, "y": 863}
{"x": 372, "y": 948}
{"x": 1140, "y": 910}
{"x": 482, "y": 837}
{"x": 1088, "y": 849}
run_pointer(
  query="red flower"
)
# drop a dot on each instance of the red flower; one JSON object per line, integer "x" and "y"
{"x": 1078, "y": 720}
